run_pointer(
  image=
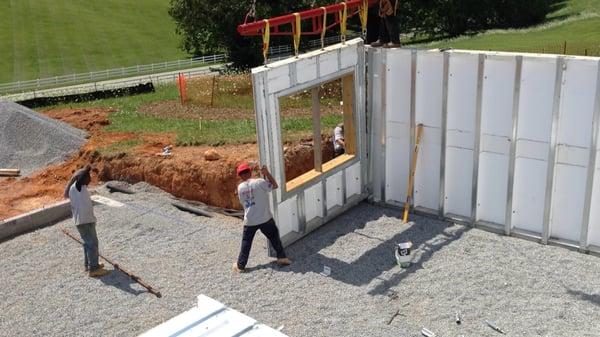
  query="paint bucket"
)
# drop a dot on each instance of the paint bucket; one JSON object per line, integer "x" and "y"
{"x": 403, "y": 256}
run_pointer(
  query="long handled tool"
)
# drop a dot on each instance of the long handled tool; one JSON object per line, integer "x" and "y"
{"x": 118, "y": 267}
{"x": 411, "y": 178}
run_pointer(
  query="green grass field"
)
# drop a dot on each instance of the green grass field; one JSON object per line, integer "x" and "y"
{"x": 189, "y": 131}
{"x": 575, "y": 21}
{"x": 44, "y": 38}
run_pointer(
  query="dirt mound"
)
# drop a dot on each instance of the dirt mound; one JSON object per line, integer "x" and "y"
{"x": 30, "y": 141}
{"x": 90, "y": 119}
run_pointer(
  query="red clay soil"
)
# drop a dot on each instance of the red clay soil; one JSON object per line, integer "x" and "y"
{"x": 185, "y": 174}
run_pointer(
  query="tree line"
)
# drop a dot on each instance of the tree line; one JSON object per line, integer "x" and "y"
{"x": 210, "y": 26}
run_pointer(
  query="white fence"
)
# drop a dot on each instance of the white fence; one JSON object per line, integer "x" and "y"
{"x": 102, "y": 75}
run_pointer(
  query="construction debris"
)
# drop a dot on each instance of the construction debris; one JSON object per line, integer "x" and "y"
{"x": 10, "y": 172}
{"x": 494, "y": 326}
{"x": 191, "y": 209}
{"x": 458, "y": 317}
{"x": 118, "y": 267}
{"x": 211, "y": 155}
{"x": 112, "y": 187}
{"x": 427, "y": 333}
{"x": 393, "y": 316}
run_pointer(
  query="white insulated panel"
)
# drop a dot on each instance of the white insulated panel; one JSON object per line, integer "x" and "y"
{"x": 279, "y": 78}
{"x": 428, "y": 100}
{"x": 335, "y": 194}
{"x": 313, "y": 202}
{"x": 328, "y": 63}
{"x": 495, "y": 138}
{"x": 594, "y": 224}
{"x": 428, "y": 111}
{"x": 353, "y": 181}
{"x": 287, "y": 216}
{"x": 536, "y": 102}
{"x": 397, "y": 162}
{"x": 577, "y": 102}
{"x": 306, "y": 69}
{"x": 398, "y": 87}
{"x": 567, "y": 202}
{"x": 398, "y": 105}
{"x": 349, "y": 56}
{"x": 574, "y": 136}
{"x": 529, "y": 194}
{"x": 460, "y": 137}
{"x": 459, "y": 181}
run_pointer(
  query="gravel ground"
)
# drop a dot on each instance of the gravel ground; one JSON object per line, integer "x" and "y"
{"x": 30, "y": 141}
{"x": 526, "y": 288}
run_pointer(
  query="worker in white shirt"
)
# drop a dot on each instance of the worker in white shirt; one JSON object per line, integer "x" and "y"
{"x": 82, "y": 209}
{"x": 339, "y": 145}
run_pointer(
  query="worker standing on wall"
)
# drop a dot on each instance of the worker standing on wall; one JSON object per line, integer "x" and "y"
{"x": 339, "y": 145}
{"x": 85, "y": 221}
{"x": 257, "y": 215}
{"x": 389, "y": 35}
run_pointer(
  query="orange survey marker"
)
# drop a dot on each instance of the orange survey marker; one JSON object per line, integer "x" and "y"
{"x": 182, "y": 88}
{"x": 411, "y": 177}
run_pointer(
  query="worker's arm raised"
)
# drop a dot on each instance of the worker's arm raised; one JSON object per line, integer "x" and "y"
{"x": 265, "y": 172}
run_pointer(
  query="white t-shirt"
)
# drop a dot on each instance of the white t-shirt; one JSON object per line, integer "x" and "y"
{"x": 253, "y": 196}
{"x": 81, "y": 205}
{"x": 338, "y": 134}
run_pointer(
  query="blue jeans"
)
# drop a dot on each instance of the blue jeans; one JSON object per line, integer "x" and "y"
{"x": 90, "y": 245}
{"x": 269, "y": 229}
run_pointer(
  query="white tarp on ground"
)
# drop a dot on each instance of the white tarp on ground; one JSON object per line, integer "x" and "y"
{"x": 212, "y": 319}
{"x": 509, "y": 143}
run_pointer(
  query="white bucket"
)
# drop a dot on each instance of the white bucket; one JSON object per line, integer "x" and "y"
{"x": 403, "y": 254}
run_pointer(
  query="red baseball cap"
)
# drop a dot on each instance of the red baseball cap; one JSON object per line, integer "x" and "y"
{"x": 242, "y": 168}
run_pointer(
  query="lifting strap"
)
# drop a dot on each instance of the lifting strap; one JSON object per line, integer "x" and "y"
{"x": 266, "y": 38}
{"x": 363, "y": 14}
{"x": 324, "y": 28}
{"x": 296, "y": 32}
{"x": 343, "y": 18}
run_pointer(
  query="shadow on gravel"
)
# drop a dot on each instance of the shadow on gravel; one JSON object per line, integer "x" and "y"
{"x": 121, "y": 281}
{"x": 592, "y": 298}
{"x": 427, "y": 235}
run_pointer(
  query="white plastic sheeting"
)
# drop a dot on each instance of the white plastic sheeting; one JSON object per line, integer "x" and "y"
{"x": 509, "y": 142}
{"x": 305, "y": 208}
{"x": 211, "y": 319}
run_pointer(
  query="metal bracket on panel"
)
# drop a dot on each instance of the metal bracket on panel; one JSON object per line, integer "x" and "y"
{"x": 444, "y": 130}
{"x": 344, "y": 197}
{"x": 560, "y": 64}
{"x": 513, "y": 146}
{"x": 413, "y": 118}
{"x": 383, "y": 125}
{"x": 477, "y": 133}
{"x": 591, "y": 169}
{"x": 301, "y": 210}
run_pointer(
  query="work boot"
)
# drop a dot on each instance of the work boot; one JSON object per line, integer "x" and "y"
{"x": 99, "y": 272}
{"x": 392, "y": 45}
{"x": 283, "y": 261}
{"x": 377, "y": 43}
{"x": 237, "y": 269}
{"x": 100, "y": 265}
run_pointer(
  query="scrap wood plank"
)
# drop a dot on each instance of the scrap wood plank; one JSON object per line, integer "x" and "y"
{"x": 411, "y": 177}
{"x": 10, "y": 172}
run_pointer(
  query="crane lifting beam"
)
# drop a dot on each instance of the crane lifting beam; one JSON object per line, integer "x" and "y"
{"x": 315, "y": 16}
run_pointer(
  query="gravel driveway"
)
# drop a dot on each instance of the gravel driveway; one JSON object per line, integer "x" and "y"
{"x": 526, "y": 288}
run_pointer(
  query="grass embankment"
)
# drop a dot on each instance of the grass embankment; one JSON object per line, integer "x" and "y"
{"x": 44, "y": 38}
{"x": 576, "y": 22}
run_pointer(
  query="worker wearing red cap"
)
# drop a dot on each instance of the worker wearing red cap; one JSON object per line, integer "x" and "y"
{"x": 253, "y": 195}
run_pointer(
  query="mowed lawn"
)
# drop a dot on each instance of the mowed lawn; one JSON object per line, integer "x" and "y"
{"x": 576, "y": 22}
{"x": 44, "y": 38}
